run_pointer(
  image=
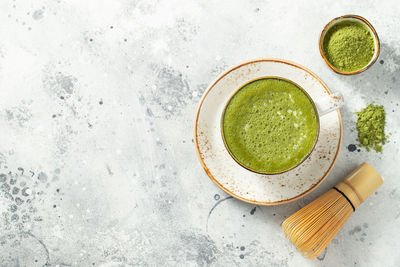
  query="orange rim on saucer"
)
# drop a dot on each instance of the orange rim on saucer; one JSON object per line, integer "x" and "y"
{"x": 208, "y": 172}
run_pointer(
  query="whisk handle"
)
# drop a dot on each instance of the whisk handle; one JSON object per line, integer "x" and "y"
{"x": 359, "y": 184}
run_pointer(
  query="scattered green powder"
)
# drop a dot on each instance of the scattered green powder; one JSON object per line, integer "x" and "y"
{"x": 349, "y": 45}
{"x": 371, "y": 127}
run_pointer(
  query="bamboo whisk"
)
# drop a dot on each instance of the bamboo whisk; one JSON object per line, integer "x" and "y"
{"x": 312, "y": 228}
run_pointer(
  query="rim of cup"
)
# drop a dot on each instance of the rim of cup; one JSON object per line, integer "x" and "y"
{"x": 298, "y": 163}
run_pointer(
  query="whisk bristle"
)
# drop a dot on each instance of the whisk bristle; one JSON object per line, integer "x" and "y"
{"x": 312, "y": 228}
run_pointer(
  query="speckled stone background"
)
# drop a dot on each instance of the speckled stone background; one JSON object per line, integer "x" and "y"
{"x": 97, "y": 162}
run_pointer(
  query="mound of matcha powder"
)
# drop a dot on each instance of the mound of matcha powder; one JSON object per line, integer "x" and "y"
{"x": 348, "y": 46}
{"x": 371, "y": 127}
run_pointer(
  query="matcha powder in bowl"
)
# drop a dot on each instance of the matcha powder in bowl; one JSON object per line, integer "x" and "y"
{"x": 348, "y": 46}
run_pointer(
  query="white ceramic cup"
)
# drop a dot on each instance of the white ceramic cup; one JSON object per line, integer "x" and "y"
{"x": 322, "y": 106}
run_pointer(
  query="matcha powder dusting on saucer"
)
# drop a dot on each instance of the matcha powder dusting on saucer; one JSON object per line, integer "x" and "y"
{"x": 348, "y": 45}
{"x": 371, "y": 127}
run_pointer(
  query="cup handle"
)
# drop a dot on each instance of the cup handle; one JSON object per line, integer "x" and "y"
{"x": 329, "y": 103}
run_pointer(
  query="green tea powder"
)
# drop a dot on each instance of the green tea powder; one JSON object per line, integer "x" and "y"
{"x": 371, "y": 127}
{"x": 349, "y": 46}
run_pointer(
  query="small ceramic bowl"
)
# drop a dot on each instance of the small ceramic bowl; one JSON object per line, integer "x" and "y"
{"x": 351, "y": 18}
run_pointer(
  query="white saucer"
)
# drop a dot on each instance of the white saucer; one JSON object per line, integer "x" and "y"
{"x": 241, "y": 183}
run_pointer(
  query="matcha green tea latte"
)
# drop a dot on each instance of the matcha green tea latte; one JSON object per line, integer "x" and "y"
{"x": 348, "y": 46}
{"x": 270, "y": 125}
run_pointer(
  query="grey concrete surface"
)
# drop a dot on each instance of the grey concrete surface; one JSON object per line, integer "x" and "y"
{"x": 97, "y": 100}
